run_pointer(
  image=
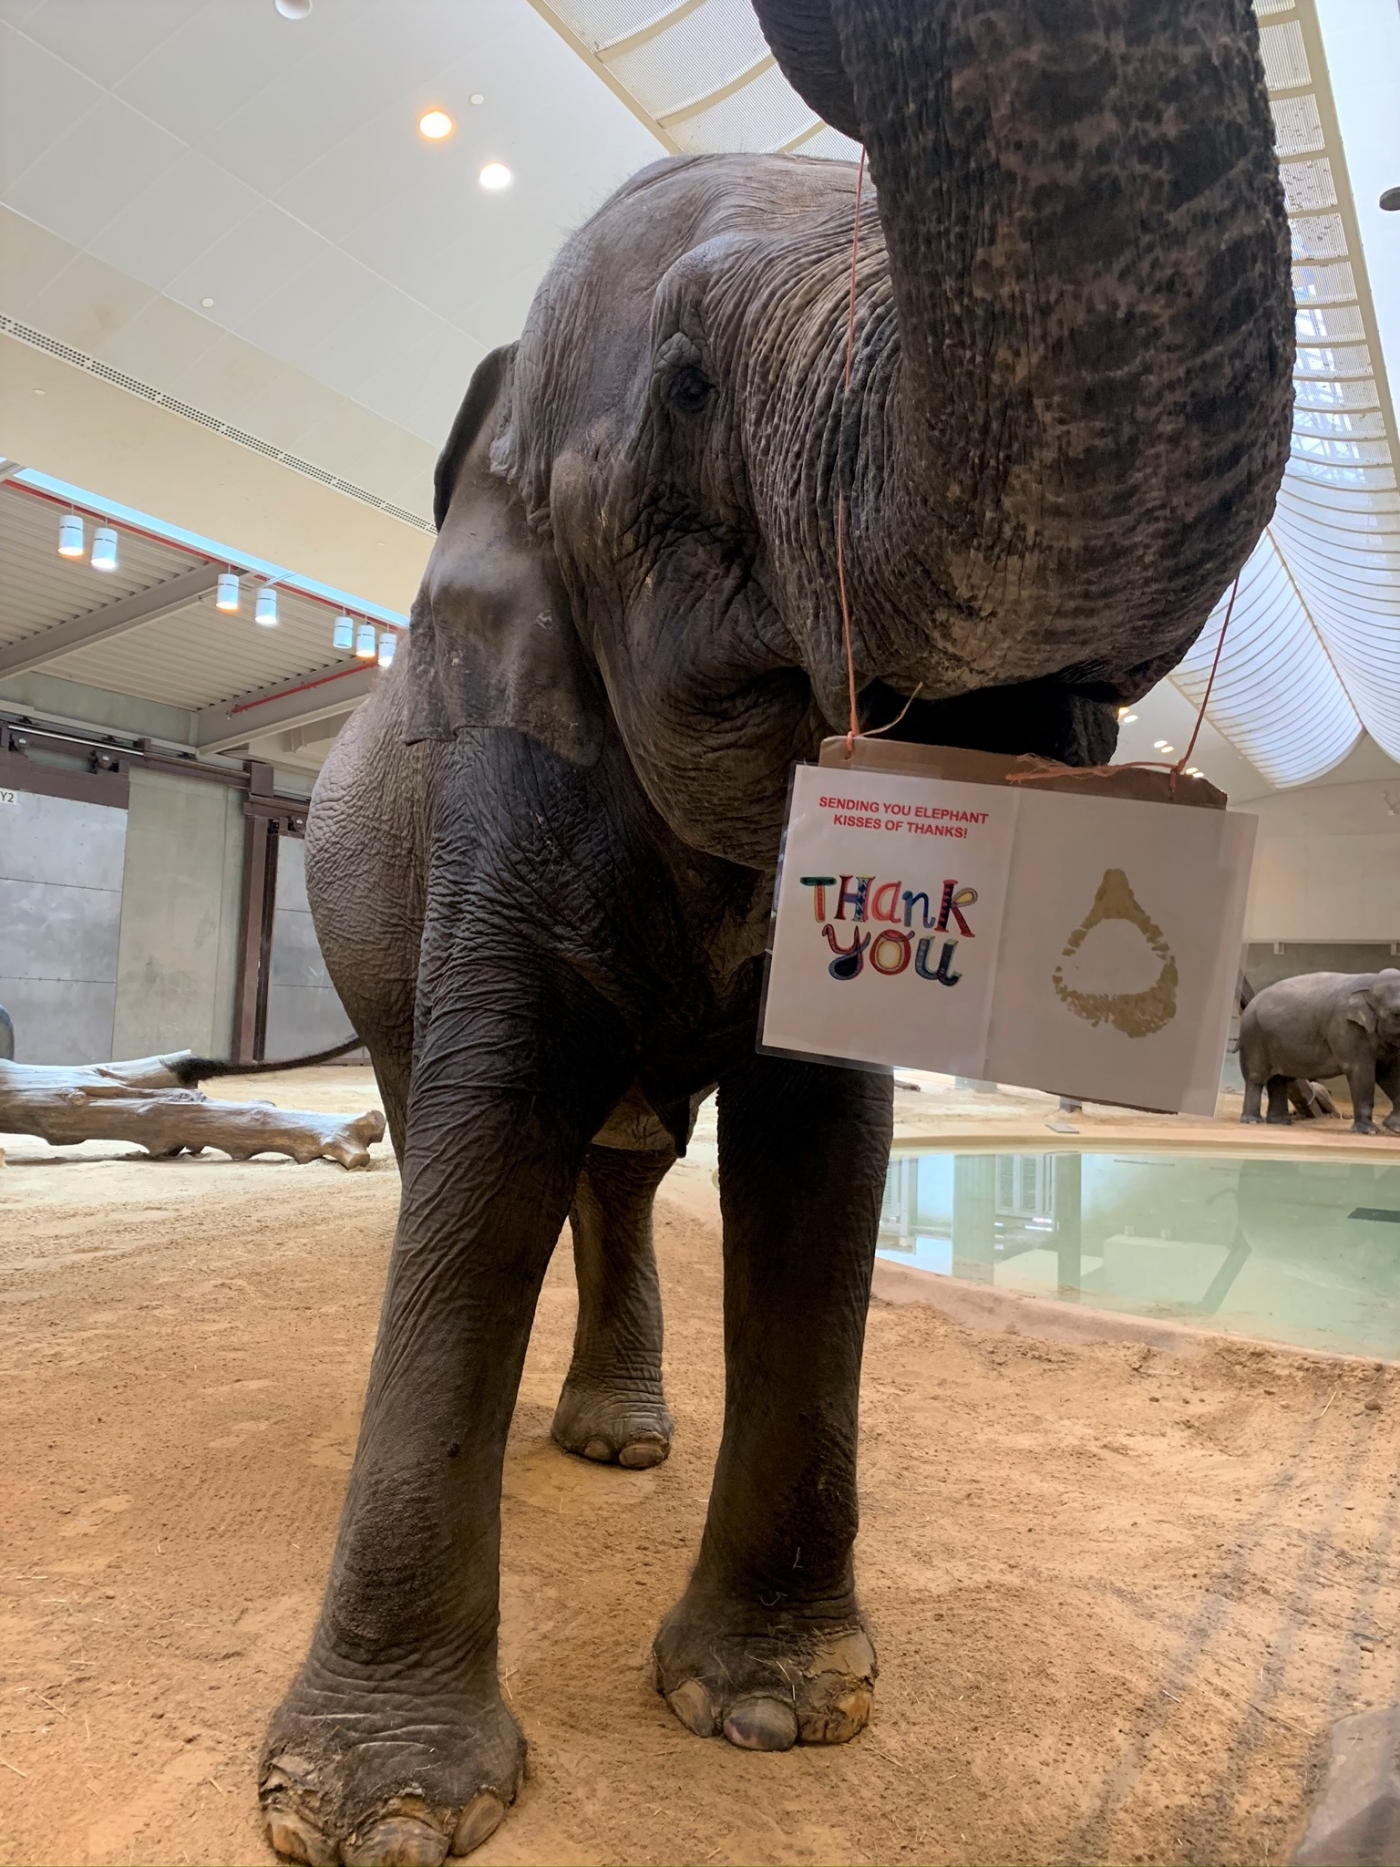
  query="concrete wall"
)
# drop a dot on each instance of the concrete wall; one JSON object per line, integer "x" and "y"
{"x": 60, "y": 916}
{"x": 303, "y": 1011}
{"x": 1327, "y": 865}
{"x": 179, "y": 920}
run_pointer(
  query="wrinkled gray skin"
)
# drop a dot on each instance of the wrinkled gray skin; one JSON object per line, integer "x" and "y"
{"x": 7, "y": 1035}
{"x": 1324, "y": 1024}
{"x": 541, "y": 858}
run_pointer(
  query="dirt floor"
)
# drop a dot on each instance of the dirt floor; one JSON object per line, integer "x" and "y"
{"x": 1119, "y": 1595}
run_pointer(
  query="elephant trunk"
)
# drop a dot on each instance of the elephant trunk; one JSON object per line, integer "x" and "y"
{"x": 1089, "y": 405}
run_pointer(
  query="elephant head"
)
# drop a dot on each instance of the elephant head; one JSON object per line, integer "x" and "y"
{"x": 1376, "y": 1008}
{"x": 1066, "y": 421}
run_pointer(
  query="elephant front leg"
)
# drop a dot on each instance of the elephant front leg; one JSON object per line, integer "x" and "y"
{"x": 612, "y": 1407}
{"x": 1361, "y": 1081}
{"x": 767, "y": 1644}
{"x": 1388, "y": 1082}
{"x": 393, "y": 1744}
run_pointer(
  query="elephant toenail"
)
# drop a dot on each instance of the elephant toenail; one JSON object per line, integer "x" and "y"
{"x": 398, "y": 1841}
{"x": 695, "y": 1708}
{"x": 297, "y": 1840}
{"x": 598, "y": 1449}
{"x": 642, "y": 1454}
{"x": 840, "y": 1719}
{"x": 762, "y": 1724}
{"x": 480, "y": 1818}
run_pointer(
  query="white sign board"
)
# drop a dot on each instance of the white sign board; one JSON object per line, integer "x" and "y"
{"x": 1085, "y": 945}
{"x": 9, "y": 800}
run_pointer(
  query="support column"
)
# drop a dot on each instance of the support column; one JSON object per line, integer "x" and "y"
{"x": 255, "y": 922}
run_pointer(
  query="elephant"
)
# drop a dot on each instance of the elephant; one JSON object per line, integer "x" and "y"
{"x": 541, "y": 857}
{"x": 1324, "y": 1024}
{"x": 7, "y": 1035}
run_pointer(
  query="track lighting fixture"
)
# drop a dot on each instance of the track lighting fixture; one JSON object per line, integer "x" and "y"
{"x": 70, "y": 535}
{"x": 265, "y": 609}
{"x": 104, "y": 548}
{"x": 227, "y": 598}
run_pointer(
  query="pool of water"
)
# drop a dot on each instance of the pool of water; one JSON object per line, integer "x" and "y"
{"x": 1300, "y": 1251}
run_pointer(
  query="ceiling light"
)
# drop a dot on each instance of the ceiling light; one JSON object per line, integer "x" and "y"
{"x": 1194, "y": 771}
{"x": 228, "y": 593}
{"x": 476, "y": 98}
{"x": 388, "y": 642}
{"x": 1125, "y": 718}
{"x": 1390, "y": 200}
{"x": 343, "y": 634}
{"x": 207, "y": 303}
{"x": 366, "y": 647}
{"x": 435, "y": 124}
{"x": 495, "y": 176}
{"x": 265, "y": 609}
{"x": 1160, "y": 745}
{"x": 1167, "y": 749}
{"x": 70, "y": 536}
{"x": 293, "y": 9}
{"x": 104, "y": 548}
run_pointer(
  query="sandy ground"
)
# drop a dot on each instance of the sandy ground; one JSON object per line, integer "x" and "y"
{"x": 1119, "y": 1595}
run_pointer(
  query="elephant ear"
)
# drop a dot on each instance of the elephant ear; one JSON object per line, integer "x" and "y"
{"x": 493, "y": 642}
{"x": 1360, "y": 1010}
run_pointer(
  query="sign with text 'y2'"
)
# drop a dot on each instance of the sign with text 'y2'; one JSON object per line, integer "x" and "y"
{"x": 1061, "y": 939}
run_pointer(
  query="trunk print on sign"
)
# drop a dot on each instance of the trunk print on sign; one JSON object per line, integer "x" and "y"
{"x": 921, "y": 921}
{"x": 1134, "y": 1013}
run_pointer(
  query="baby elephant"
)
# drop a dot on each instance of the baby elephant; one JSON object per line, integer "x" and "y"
{"x": 1324, "y": 1024}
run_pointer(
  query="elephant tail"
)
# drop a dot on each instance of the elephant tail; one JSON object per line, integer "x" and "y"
{"x": 199, "y": 1069}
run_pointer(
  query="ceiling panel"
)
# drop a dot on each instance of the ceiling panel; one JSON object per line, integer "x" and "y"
{"x": 41, "y": 96}
{"x": 39, "y": 588}
{"x": 57, "y": 189}
{"x": 166, "y": 226}
{"x": 199, "y": 657}
{"x": 108, "y": 40}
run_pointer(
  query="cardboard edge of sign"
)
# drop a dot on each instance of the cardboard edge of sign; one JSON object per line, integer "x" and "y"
{"x": 1141, "y": 784}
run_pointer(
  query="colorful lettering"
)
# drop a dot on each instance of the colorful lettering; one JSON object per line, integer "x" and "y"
{"x": 889, "y": 912}
{"x": 954, "y": 899}
{"x": 854, "y": 896}
{"x": 850, "y": 958}
{"x": 926, "y": 910}
{"x": 942, "y": 973}
{"x": 889, "y": 952}
{"x": 820, "y": 883}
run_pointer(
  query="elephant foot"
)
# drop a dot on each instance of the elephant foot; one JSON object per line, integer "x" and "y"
{"x": 1391, "y": 1124}
{"x": 1364, "y": 1127}
{"x": 613, "y": 1425}
{"x": 368, "y": 1777}
{"x": 766, "y": 1681}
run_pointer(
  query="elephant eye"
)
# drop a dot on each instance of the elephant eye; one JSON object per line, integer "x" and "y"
{"x": 689, "y": 391}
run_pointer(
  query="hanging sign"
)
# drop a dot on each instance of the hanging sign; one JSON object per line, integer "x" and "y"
{"x": 1080, "y": 936}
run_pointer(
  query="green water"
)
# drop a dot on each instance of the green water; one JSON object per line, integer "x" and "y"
{"x": 1294, "y": 1250}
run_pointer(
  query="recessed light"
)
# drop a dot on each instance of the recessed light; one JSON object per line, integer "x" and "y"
{"x": 207, "y": 303}
{"x": 435, "y": 124}
{"x": 476, "y": 98}
{"x": 1127, "y": 718}
{"x": 495, "y": 176}
{"x": 1160, "y": 745}
{"x": 293, "y": 9}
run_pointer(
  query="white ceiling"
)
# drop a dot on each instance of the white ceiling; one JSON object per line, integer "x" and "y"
{"x": 154, "y": 153}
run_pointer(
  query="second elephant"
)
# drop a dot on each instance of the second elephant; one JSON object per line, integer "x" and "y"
{"x": 1324, "y": 1024}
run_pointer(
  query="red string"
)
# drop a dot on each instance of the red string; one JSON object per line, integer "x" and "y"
{"x": 1205, "y": 698}
{"x": 1143, "y": 764}
{"x": 841, "y": 493}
